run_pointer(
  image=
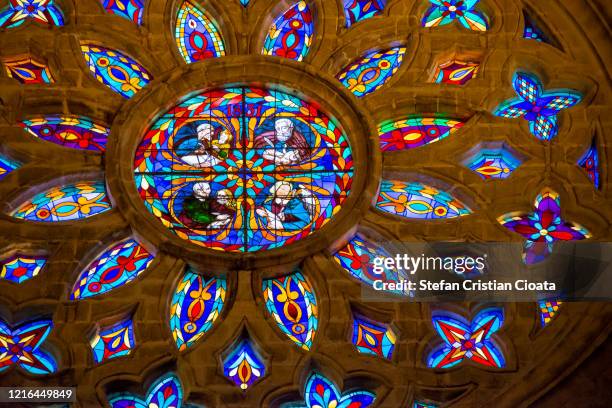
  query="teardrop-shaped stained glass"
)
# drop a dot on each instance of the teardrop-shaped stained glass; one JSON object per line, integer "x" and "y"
{"x": 243, "y": 365}
{"x": 75, "y": 132}
{"x": 416, "y": 200}
{"x": 370, "y": 72}
{"x": 415, "y": 132}
{"x": 291, "y": 34}
{"x": 65, "y": 203}
{"x": 292, "y": 303}
{"x": 116, "y": 266}
{"x": 195, "y": 306}
{"x": 115, "y": 69}
{"x": 196, "y": 34}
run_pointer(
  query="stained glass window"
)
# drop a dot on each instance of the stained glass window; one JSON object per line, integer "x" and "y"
{"x": 76, "y": 132}
{"x": 7, "y": 165}
{"x": 243, "y": 365}
{"x": 195, "y": 306}
{"x": 20, "y": 267}
{"x": 28, "y": 70}
{"x": 543, "y": 227}
{"x": 23, "y": 347}
{"x": 321, "y": 392}
{"x": 416, "y": 200}
{"x": 113, "y": 341}
{"x": 358, "y": 10}
{"x": 166, "y": 392}
{"x": 532, "y": 30}
{"x": 463, "y": 340}
{"x": 422, "y": 404}
{"x": 115, "y": 69}
{"x": 548, "y": 309}
{"x": 493, "y": 163}
{"x": 590, "y": 163}
{"x": 370, "y": 337}
{"x": 197, "y": 35}
{"x": 118, "y": 265}
{"x": 358, "y": 258}
{"x": 130, "y": 9}
{"x": 244, "y": 169}
{"x": 245, "y": 2}
{"x": 41, "y": 11}
{"x": 292, "y": 303}
{"x": 66, "y": 203}
{"x": 536, "y": 106}
{"x": 372, "y": 71}
{"x": 456, "y": 72}
{"x": 291, "y": 34}
{"x": 445, "y": 12}
{"x": 414, "y": 132}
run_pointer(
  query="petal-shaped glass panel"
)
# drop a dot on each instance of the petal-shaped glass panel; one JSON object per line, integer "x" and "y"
{"x": 291, "y": 34}
{"x": 195, "y": 306}
{"x": 196, "y": 34}
{"x": 292, "y": 303}
{"x": 416, "y": 200}
{"x": 113, "y": 341}
{"x": 76, "y": 132}
{"x": 118, "y": 265}
{"x": 165, "y": 392}
{"x": 130, "y": 9}
{"x": 243, "y": 365}
{"x": 372, "y": 71}
{"x": 357, "y": 10}
{"x": 590, "y": 163}
{"x": 321, "y": 392}
{"x": 414, "y": 132}
{"x": 23, "y": 347}
{"x": 20, "y": 267}
{"x": 66, "y": 203}
{"x": 116, "y": 70}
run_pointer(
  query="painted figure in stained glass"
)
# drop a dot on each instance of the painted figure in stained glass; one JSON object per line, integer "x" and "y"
{"x": 40, "y": 11}
{"x": 543, "y": 227}
{"x": 66, "y": 203}
{"x": 467, "y": 340}
{"x": 20, "y": 267}
{"x": 22, "y": 347}
{"x": 244, "y": 169}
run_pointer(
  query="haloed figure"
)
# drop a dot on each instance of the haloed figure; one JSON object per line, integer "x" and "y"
{"x": 287, "y": 208}
{"x": 211, "y": 148}
{"x": 285, "y": 145}
{"x": 202, "y": 210}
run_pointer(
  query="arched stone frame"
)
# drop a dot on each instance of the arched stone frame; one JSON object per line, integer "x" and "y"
{"x": 76, "y": 93}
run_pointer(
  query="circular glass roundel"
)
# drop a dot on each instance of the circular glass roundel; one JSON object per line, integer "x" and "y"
{"x": 244, "y": 169}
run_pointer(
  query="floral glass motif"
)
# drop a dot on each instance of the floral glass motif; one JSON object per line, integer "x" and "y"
{"x": 115, "y": 69}
{"x": 493, "y": 163}
{"x": 464, "y": 340}
{"x": 443, "y": 12}
{"x": 113, "y": 341}
{"x": 320, "y": 392}
{"x": 65, "y": 203}
{"x": 243, "y": 365}
{"x": 548, "y": 310}
{"x": 358, "y": 257}
{"x": 130, "y": 9}
{"x": 590, "y": 163}
{"x": 367, "y": 74}
{"x": 244, "y": 169}
{"x": 536, "y": 106}
{"x": 75, "y": 132}
{"x": 358, "y": 10}
{"x": 195, "y": 306}
{"x": 415, "y": 132}
{"x": 23, "y": 347}
{"x": 41, "y": 11}
{"x": 20, "y": 267}
{"x": 291, "y": 34}
{"x": 456, "y": 72}
{"x": 118, "y": 265}
{"x": 292, "y": 303}
{"x": 197, "y": 35}
{"x": 165, "y": 392}
{"x": 370, "y": 337}
{"x": 416, "y": 200}
{"x": 28, "y": 70}
{"x": 7, "y": 165}
{"x": 542, "y": 227}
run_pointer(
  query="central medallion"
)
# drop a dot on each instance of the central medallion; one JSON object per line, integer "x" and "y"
{"x": 244, "y": 169}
